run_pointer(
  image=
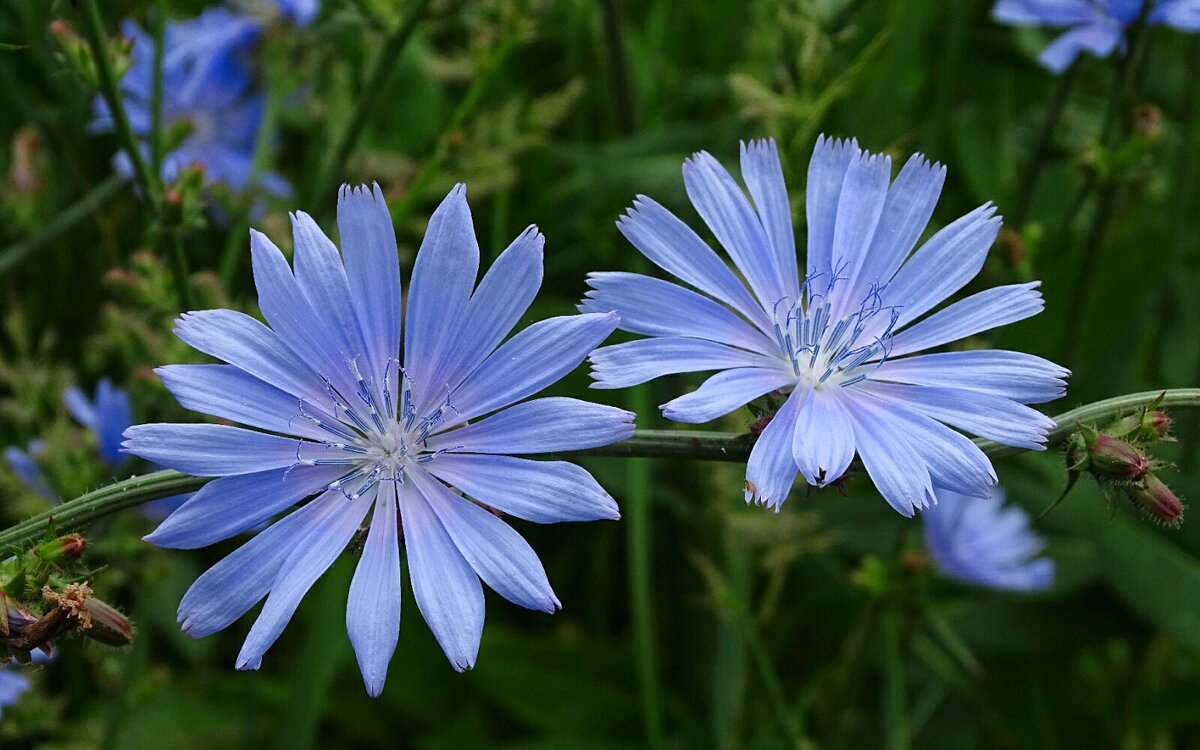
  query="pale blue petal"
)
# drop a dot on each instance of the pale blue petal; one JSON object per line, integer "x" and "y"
{"x": 906, "y": 212}
{"x": 227, "y": 590}
{"x": 1098, "y": 38}
{"x": 373, "y": 607}
{"x": 771, "y": 470}
{"x": 538, "y": 491}
{"x": 634, "y": 362}
{"x": 1183, "y": 15}
{"x": 979, "y": 413}
{"x": 724, "y": 392}
{"x": 442, "y": 279}
{"x": 980, "y": 312}
{"x": 659, "y": 308}
{"x": 231, "y": 505}
{"x": 544, "y": 425}
{"x": 79, "y": 406}
{"x": 27, "y": 469}
{"x": 673, "y": 246}
{"x": 247, "y": 344}
{"x": 722, "y": 204}
{"x": 306, "y": 563}
{"x": 1013, "y": 375}
{"x": 503, "y": 296}
{"x": 210, "y": 450}
{"x": 823, "y": 443}
{"x": 372, "y": 266}
{"x": 112, "y": 415}
{"x": 943, "y": 265}
{"x": 528, "y": 362}
{"x": 764, "y": 177}
{"x": 859, "y": 209}
{"x": 229, "y": 393}
{"x": 447, "y": 590}
{"x": 12, "y": 687}
{"x": 1043, "y": 12}
{"x": 897, "y": 469}
{"x": 826, "y": 174}
{"x": 497, "y": 554}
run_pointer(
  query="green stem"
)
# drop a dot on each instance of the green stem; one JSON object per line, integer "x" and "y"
{"x": 156, "y": 90}
{"x": 1027, "y": 184}
{"x": 377, "y": 79}
{"x": 895, "y": 714}
{"x": 93, "y": 28}
{"x": 711, "y": 446}
{"x": 63, "y": 220}
{"x": 179, "y": 267}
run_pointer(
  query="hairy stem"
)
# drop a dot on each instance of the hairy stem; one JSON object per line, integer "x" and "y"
{"x": 707, "y": 446}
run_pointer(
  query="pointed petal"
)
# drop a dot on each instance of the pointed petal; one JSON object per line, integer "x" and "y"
{"x": 859, "y": 209}
{"x": 1100, "y": 38}
{"x": 771, "y": 470}
{"x": 497, "y": 553}
{"x": 538, "y": 491}
{"x": 906, "y": 212}
{"x": 229, "y": 393}
{"x": 823, "y": 442}
{"x": 231, "y": 505}
{"x": 898, "y": 471}
{"x": 826, "y": 175}
{"x": 447, "y": 590}
{"x": 210, "y": 450}
{"x": 306, "y": 563}
{"x": 634, "y": 362}
{"x": 528, "y": 362}
{"x": 1012, "y": 375}
{"x": 373, "y": 608}
{"x": 659, "y": 308}
{"x": 725, "y": 392}
{"x": 980, "y": 312}
{"x": 544, "y": 425}
{"x": 442, "y": 279}
{"x": 764, "y": 177}
{"x": 372, "y": 265}
{"x": 673, "y": 246}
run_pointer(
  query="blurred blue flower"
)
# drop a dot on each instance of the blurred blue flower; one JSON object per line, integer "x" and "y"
{"x": 24, "y": 464}
{"x": 208, "y": 100}
{"x": 1095, "y": 26}
{"x": 298, "y": 12}
{"x": 107, "y": 417}
{"x": 980, "y": 541}
{"x": 12, "y": 686}
{"x": 366, "y": 433}
{"x": 831, "y": 341}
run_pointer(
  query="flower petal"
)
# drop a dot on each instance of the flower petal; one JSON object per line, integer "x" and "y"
{"x": 634, "y": 362}
{"x": 1012, "y": 375}
{"x": 823, "y": 442}
{"x": 980, "y": 312}
{"x": 673, "y": 246}
{"x": 1042, "y": 12}
{"x": 771, "y": 470}
{"x": 227, "y": 590}
{"x": 764, "y": 177}
{"x": 373, "y": 608}
{"x": 247, "y": 344}
{"x": 659, "y": 308}
{"x": 1100, "y": 38}
{"x": 538, "y": 491}
{"x": 230, "y": 505}
{"x": 724, "y": 392}
{"x": 442, "y": 279}
{"x": 826, "y": 175}
{"x": 528, "y": 362}
{"x": 543, "y": 425}
{"x": 898, "y": 471}
{"x": 906, "y": 212}
{"x": 300, "y": 570}
{"x": 447, "y": 590}
{"x": 228, "y": 392}
{"x": 372, "y": 265}
{"x": 497, "y": 553}
{"x": 210, "y": 450}
{"x": 859, "y": 209}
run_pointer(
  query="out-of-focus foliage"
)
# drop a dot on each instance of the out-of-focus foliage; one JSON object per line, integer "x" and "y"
{"x": 825, "y": 620}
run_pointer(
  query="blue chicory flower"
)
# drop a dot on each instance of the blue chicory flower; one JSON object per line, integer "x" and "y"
{"x": 207, "y": 90}
{"x": 832, "y": 341}
{"x": 299, "y": 13}
{"x": 1095, "y": 26}
{"x": 25, "y": 466}
{"x": 345, "y": 421}
{"x": 107, "y": 417}
{"x": 979, "y": 540}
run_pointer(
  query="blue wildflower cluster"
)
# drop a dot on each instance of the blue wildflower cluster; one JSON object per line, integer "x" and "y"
{"x": 1094, "y": 26}
{"x": 211, "y": 102}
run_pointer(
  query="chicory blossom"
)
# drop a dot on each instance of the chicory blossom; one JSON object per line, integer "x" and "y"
{"x": 107, "y": 417}
{"x": 834, "y": 343}
{"x": 1095, "y": 26}
{"x": 979, "y": 540}
{"x": 344, "y": 415}
{"x": 211, "y": 113}
{"x": 299, "y": 13}
{"x": 24, "y": 465}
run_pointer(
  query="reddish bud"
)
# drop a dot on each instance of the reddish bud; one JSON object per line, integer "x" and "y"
{"x": 1146, "y": 426}
{"x": 1115, "y": 458}
{"x": 1157, "y": 500}
{"x": 63, "y": 549}
{"x": 109, "y": 626}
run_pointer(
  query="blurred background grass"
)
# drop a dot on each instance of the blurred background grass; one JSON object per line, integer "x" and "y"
{"x": 756, "y": 628}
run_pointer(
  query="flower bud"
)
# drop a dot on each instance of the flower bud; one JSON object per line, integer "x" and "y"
{"x": 109, "y": 626}
{"x": 62, "y": 549}
{"x": 1113, "y": 458}
{"x": 1157, "y": 500}
{"x": 1146, "y": 426}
